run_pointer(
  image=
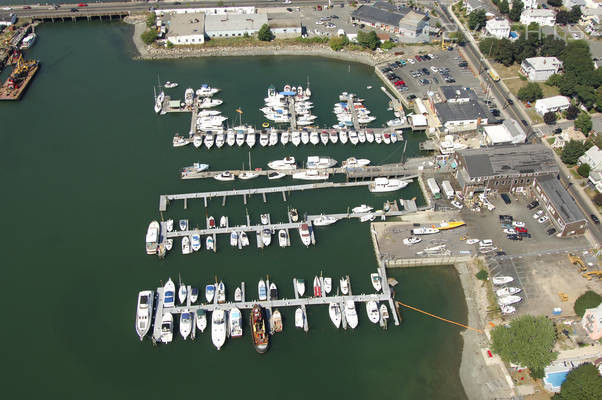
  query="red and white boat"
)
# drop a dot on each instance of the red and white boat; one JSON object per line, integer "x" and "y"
{"x": 305, "y": 236}
{"x": 211, "y": 223}
{"x": 317, "y": 287}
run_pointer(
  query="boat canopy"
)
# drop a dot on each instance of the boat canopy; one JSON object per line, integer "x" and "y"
{"x": 289, "y": 93}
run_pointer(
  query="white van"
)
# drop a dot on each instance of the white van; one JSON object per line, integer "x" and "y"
{"x": 486, "y": 243}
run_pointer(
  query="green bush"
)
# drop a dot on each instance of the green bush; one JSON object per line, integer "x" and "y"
{"x": 151, "y": 19}
{"x": 388, "y": 45}
{"x": 583, "y": 170}
{"x": 582, "y": 383}
{"x": 572, "y": 151}
{"x": 589, "y": 299}
{"x": 530, "y": 92}
{"x": 584, "y": 123}
{"x": 482, "y": 275}
{"x": 265, "y": 33}
{"x": 338, "y": 43}
{"x": 149, "y": 36}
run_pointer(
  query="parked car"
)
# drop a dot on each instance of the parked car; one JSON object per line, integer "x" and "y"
{"x": 557, "y": 131}
{"x": 411, "y": 97}
{"x": 532, "y": 204}
{"x": 551, "y": 231}
{"x": 519, "y": 229}
{"x": 500, "y": 253}
{"x": 418, "y": 58}
{"x": 503, "y": 217}
{"x": 524, "y": 234}
{"x": 525, "y": 123}
{"x": 514, "y": 237}
{"x": 506, "y": 198}
{"x": 519, "y": 224}
{"x": 595, "y": 219}
{"x": 495, "y": 112}
{"x": 509, "y": 231}
{"x": 425, "y": 71}
{"x": 543, "y": 219}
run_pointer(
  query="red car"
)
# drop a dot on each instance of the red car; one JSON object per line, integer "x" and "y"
{"x": 418, "y": 58}
{"x": 519, "y": 229}
{"x": 82, "y": 5}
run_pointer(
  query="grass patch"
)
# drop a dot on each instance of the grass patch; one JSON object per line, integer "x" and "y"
{"x": 535, "y": 118}
{"x": 551, "y": 140}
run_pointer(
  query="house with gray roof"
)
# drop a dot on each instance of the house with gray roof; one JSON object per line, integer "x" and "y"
{"x": 457, "y": 94}
{"x": 462, "y": 116}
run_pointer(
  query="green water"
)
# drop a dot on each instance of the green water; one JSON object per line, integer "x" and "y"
{"x": 83, "y": 162}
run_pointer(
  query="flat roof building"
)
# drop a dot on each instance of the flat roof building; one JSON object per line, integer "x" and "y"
{"x": 285, "y": 25}
{"x": 500, "y": 28}
{"x": 234, "y": 25}
{"x": 404, "y": 21}
{"x": 457, "y": 94}
{"x": 508, "y": 132}
{"x": 552, "y": 104}
{"x": 186, "y": 29}
{"x": 539, "y": 69}
{"x": 462, "y": 116}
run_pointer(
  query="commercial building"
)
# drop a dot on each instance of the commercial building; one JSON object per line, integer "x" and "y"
{"x": 560, "y": 206}
{"x": 285, "y": 25}
{"x": 500, "y": 28}
{"x": 508, "y": 132}
{"x": 186, "y": 29}
{"x": 404, "y": 22}
{"x": 592, "y": 322}
{"x": 413, "y": 24}
{"x": 462, "y": 117}
{"x": 552, "y": 104}
{"x": 457, "y": 94}
{"x": 539, "y": 69}
{"x": 233, "y": 25}
{"x": 503, "y": 168}
{"x": 542, "y": 16}
{"x": 593, "y": 158}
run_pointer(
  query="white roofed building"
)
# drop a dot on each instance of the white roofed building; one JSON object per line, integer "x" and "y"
{"x": 186, "y": 29}
{"x": 552, "y": 104}
{"x": 234, "y": 25}
{"x": 500, "y": 28}
{"x": 509, "y": 132}
{"x": 542, "y": 16}
{"x": 539, "y": 69}
{"x": 530, "y": 4}
{"x": 592, "y": 157}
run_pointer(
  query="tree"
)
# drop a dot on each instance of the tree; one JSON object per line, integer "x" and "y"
{"x": 149, "y": 36}
{"x": 169, "y": 45}
{"x": 574, "y": 15}
{"x": 582, "y": 383}
{"x": 368, "y": 39}
{"x": 476, "y": 19}
{"x": 151, "y": 19}
{"x": 527, "y": 341}
{"x": 549, "y": 118}
{"x": 555, "y": 3}
{"x": 584, "y": 170}
{"x": 265, "y": 33}
{"x": 572, "y": 151}
{"x": 584, "y": 123}
{"x": 338, "y": 43}
{"x": 589, "y": 299}
{"x": 504, "y": 7}
{"x": 388, "y": 45}
{"x": 552, "y": 47}
{"x": 457, "y": 36}
{"x": 517, "y": 9}
{"x": 572, "y": 112}
{"x": 530, "y": 92}
{"x": 504, "y": 52}
{"x": 562, "y": 17}
{"x": 482, "y": 275}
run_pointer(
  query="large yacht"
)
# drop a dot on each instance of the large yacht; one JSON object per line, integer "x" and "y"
{"x": 144, "y": 313}
{"x": 218, "y": 328}
{"x": 152, "y": 237}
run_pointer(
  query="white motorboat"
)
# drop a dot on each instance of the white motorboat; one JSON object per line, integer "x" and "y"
{"x": 394, "y": 123}
{"x": 235, "y": 322}
{"x": 373, "y": 312}
{"x": 273, "y": 290}
{"x": 152, "y": 237}
{"x": 378, "y": 138}
{"x": 209, "y": 293}
{"x": 170, "y": 85}
{"x": 343, "y": 137}
{"x": 223, "y": 222}
{"x": 169, "y": 294}
{"x": 353, "y": 162}
{"x": 201, "y": 319}
{"x": 304, "y": 137}
{"x": 351, "y": 314}
{"x": 220, "y": 293}
{"x": 353, "y": 138}
{"x": 183, "y": 223}
{"x": 293, "y": 215}
{"x": 159, "y": 102}
{"x": 262, "y": 290}
{"x": 300, "y": 287}
{"x": 275, "y": 175}
{"x": 194, "y": 294}
{"x": 506, "y": 310}
{"x": 246, "y": 175}
{"x": 179, "y": 141}
{"x": 220, "y": 140}
{"x": 197, "y": 141}
{"x": 386, "y": 138}
{"x": 238, "y": 294}
{"x": 411, "y": 240}
{"x": 424, "y": 231}
{"x": 296, "y": 138}
{"x": 189, "y": 97}
{"x": 210, "y": 103}
{"x": 311, "y": 175}
{"x": 225, "y": 176}
{"x": 287, "y": 163}
{"x": 185, "y": 324}
{"x": 28, "y": 41}
{"x": 263, "y": 139}
{"x": 275, "y": 322}
{"x": 144, "y": 311}
{"x": 273, "y": 140}
{"x": 265, "y": 219}
{"x": 282, "y": 238}
{"x": 508, "y": 300}
{"x": 367, "y": 218}
{"x": 234, "y": 239}
{"x": 218, "y": 328}
{"x": 376, "y": 281}
{"x": 507, "y": 291}
{"x": 327, "y": 285}
{"x": 299, "y": 318}
{"x": 166, "y": 328}
{"x": 285, "y": 137}
{"x": 314, "y": 137}
{"x": 186, "y": 245}
{"x": 502, "y": 280}
{"x": 369, "y": 136}
{"x": 244, "y": 239}
{"x": 344, "y": 285}
{"x": 230, "y": 138}
{"x": 210, "y": 243}
{"x": 334, "y": 136}
{"x": 240, "y": 138}
{"x": 168, "y": 244}
{"x": 317, "y": 287}
{"x": 361, "y": 209}
{"x": 206, "y": 91}
{"x": 384, "y": 311}
{"x": 324, "y": 220}
{"x": 266, "y": 237}
{"x": 334, "y": 311}
{"x": 305, "y": 235}
{"x": 317, "y": 162}
{"x": 361, "y": 136}
{"x": 380, "y": 185}
{"x": 324, "y": 137}
{"x": 196, "y": 242}
{"x": 209, "y": 140}
{"x": 182, "y": 293}
{"x": 251, "y": 140}
{"x": 194, "y": 168}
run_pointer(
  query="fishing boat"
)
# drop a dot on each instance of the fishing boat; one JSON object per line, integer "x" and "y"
{"x": 293, "y": 215}
{"x": 448, "y": 225}
{"x": 276, "y": 322}
{"x": 344, "y": 284}
{"x": 376, "y": 281}
{"x": 235, "y": 322}
{"x": 282, "y": 238}
{"x": 508, "y": 300}
{"x": 194, "y": 294}
{"x": 209, "y": 293}
{"x": 317, "y": 287}
{"x": 275, "y": 175}
{"x": 169, "y": 294}
{"x": 367, "y": 218}
{"x": 185, "y": 324}
{"x": 327, "y": 285}
{"x": 234, "y": 239}
{"x": 353, "y": 162}
{"x": 196, "y": 242}
{"x": 273, "y": 291}
{"x": 411, "y": 240}
{"x": 311, "y": 175}
{"x": 317, "y": 162}
{"x": 152, "y": 237}
{"x": 258, "y": 330}
{"x": 244, "y": 239}
{"x": 324, "y": 220}
{"x": 361, "y": 209}
{"x": 170, "y": 85}
{"x": 144, "y": 311}
{"x": 210, "y": 243}
{"x": 299, "y": 318}
{"x": 266, "y": 237}
{"x": 372, "y": 310}
{"x": 168, "y": 244}
{"x": 218, "y": 328}
{"x": 262, "y": 290}
{"x": 186, "y": 245}
{"x": 166, "y": 328}
{"x": 304, "y": 234}
{"x": 502, "y": 280}
{"x": 220, "y": 293}
{"x": 507, "y": 291}
{"x": 380, "y": 185}
{"x": 182, "y": 293}
{"x": 334, "y": 311}
{"x": 183, "y": 223}
{"x": 225, "y": 176}
{"x": 351, "y": 314}
{"x": 424, "y": 231}
{"x": 287, "y": 163}
{"x": 223, "y": 222}
{"x": 201, "y": 319}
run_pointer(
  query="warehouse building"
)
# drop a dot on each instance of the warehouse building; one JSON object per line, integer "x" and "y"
{"x": 233, "y": 25}
{"x": 186, "y": 29}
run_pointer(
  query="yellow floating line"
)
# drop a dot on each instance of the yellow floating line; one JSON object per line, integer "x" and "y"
{"x": 435, "y": 316}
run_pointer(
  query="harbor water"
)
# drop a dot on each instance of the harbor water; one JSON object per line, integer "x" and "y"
{"x": 83, "y": 162}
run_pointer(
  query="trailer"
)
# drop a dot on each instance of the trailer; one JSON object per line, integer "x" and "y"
{"x": 448, "y": 190}
{"x": 434, "y": 188}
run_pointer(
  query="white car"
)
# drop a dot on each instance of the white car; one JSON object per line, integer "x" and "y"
{"x": 518, "y": 224}
{"x": 319, "y": 22}
{"x": 431, "y": 56}
{"x": 543, "y": 219}
{"x": 486, "y": 243}
{"x": 538, "y": 214}
{"x": 508, "y": 231}
{"x": 457, "y": 204}
{"x": 434, "y": 69}
{"x": 576, "y": 36}
{"x": 411, "y": 61}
